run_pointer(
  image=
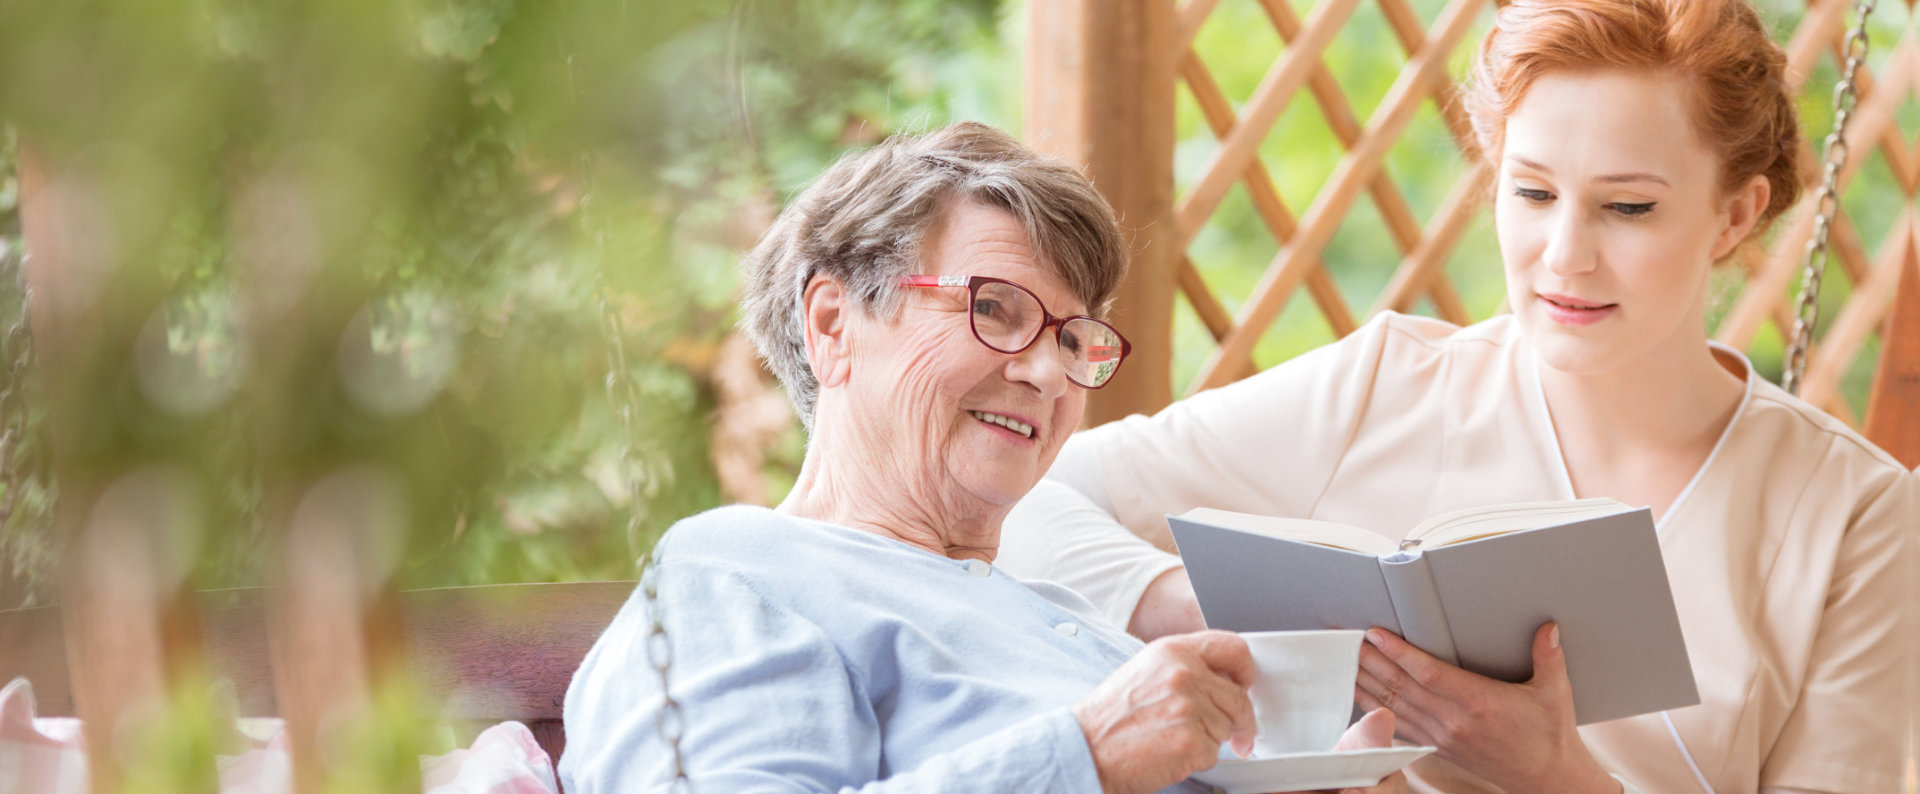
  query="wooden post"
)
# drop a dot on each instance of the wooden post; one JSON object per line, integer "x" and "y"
{"x": 1893, "y": 408}
{"x": 1100, "y": 89}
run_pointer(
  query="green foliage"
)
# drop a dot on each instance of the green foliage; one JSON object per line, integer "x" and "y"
{"x": 350, "y": 277}
{"x": 451, "y": 191}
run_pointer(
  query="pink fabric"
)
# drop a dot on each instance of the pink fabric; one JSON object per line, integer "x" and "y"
{"x": 47, "y": 755}
{"x": 504, "y": 759}
{"x": 266, "y": 766}
{"x": 43, "y": 754}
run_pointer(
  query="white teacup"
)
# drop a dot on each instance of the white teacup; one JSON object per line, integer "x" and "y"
{"x": 1304, "y": 695}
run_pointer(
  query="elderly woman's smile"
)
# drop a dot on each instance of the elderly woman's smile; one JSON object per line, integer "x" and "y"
{"x": 1011, "y": 423}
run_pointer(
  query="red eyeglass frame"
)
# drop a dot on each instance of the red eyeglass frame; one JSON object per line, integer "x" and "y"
{"x": 1048, "y": 319}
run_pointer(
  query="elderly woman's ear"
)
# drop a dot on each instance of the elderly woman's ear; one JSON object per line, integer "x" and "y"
{"x": 827, "y": 308}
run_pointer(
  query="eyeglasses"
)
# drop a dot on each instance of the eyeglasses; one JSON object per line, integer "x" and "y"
{"x": 1006, "y": 317}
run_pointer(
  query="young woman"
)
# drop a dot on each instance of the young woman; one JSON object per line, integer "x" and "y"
{"x": 1637, "y": 145}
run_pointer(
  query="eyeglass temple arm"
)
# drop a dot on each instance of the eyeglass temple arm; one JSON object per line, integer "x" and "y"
{"x": 935, "y": 281}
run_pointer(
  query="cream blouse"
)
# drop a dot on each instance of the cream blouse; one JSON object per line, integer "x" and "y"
{"x": 1788, "y": 553}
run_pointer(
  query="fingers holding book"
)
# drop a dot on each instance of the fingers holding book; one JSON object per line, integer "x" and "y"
{"x": 1521, "y": 737}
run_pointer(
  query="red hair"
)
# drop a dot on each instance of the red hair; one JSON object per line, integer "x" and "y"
{"x": 1740, "y": 104}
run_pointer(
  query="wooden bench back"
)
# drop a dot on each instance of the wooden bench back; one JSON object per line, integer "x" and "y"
{"x": 483, "y": 654}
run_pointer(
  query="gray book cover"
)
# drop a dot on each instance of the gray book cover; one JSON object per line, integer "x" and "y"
{"x": 1475, "y": 603}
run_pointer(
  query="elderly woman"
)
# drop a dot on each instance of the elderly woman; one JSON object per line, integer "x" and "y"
{"x": 929, "y": 306}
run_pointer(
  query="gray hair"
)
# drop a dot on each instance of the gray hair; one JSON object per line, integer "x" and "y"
{"x": 863, "y": 222}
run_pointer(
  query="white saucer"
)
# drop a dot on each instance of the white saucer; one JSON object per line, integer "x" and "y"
{"x": 1303, "y": 771}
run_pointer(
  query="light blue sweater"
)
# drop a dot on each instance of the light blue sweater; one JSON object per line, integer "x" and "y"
{"x": 814, "y": 658}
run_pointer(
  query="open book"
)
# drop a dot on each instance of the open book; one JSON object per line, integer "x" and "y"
{"x": 1469, "y": 587}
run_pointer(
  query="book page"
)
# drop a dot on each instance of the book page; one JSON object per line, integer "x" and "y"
{"x": 1475, "y": 523}
{"x": 1251, "y": 581}
{"x": 1324, "y": 533}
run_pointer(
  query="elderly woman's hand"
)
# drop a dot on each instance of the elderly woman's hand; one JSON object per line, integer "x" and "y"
{"x": 1164, "y": 714}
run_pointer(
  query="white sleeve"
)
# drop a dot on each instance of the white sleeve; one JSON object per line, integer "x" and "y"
{"x": 1065, "y": 536}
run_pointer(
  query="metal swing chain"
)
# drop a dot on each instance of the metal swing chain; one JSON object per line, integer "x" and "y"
{"x": 1846, "y": 97}
{"x": 624, "y": 397}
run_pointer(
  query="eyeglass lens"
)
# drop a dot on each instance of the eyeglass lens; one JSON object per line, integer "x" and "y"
{"x": 1009, "y": 319}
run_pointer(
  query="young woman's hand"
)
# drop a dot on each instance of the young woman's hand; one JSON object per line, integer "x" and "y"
{"x": 1520, "y": 737}
{"x": 1164, "y": 714}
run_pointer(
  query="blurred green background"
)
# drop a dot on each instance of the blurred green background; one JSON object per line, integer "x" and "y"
{"x": 481, "y": 185}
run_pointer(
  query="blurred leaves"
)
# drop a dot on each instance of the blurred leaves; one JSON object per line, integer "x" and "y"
{"x": 302, "y": 253}
{"x": 356, "y": 230}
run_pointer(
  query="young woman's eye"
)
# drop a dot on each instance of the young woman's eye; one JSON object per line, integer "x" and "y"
{"x": 1532, "y": 195}
{"x": 1631, "y": 210}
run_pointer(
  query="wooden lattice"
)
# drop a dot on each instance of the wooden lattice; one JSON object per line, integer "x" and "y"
{"x": 1765, "y": 298}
